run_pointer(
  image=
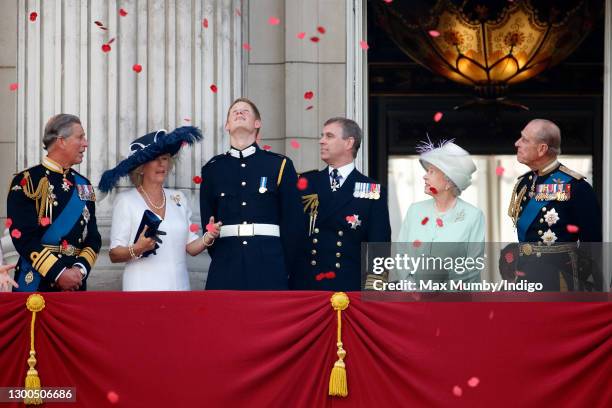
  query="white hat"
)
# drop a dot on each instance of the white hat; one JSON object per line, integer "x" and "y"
{"x": 451, "y": 159}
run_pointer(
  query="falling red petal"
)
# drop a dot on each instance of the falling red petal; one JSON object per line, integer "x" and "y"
{"x": 572, "y": 229}
{"x": 416, "y": 243}
{"x": 491, "y": 314}
{"x": 205, "y": 23}
{"x": 520, "y": 273}
{"x": 194, "y": 227}
{"x": 213, "y": 88}
{"x": 187, "y": 119}
{"x": 273, "y": 20}
{"x": 246, "y": 46}
{"x": 210, "y": 227}
{"x": 33, "y": 16}
{"x": 112, "y": 40}
{"x": 238, "y": 13}
{"x": 309, "y": 107}
{"x": 16, "y": 233}
{"x": 302, "y": 183}
{"x": 122, "y": 12}
{"x": 23, "y": 182}
{"x": 295, "y": 144}
{"x": 13, "y": 86}
{"x": 434, "y": 33}
{"x": 64, "y": 244}
{"x": 388, "y": 1}
{"x": 439, "y": 222}
{"x": 509, "y": 257}
{"x": 197, "y": 179}
{"x": 106, "y": 48}
{"x": 499, "y": 170}
{"x": 330, "y": 275}
{"x": 137, "y": 68}
{"x": 308, "y": 95}
{"x": 438, "y": 116}
{"x": 267, "y": 147}
{"x": 44, "y": 221}
{"x": 424, "y": 220}
{"x": 321, "y": 29}
{"x": 364, "y": 45}
{"x": 112, "y": 397}
{"x": 301, "y": 35}
{"x": 473, "y": 382}
{"x": 314, "y": 39}
{"x": 8, "y": 223}
{"x": 457, "y": 391}
{"x": 99, "y": 23}
{"x": 320, "y": 276}
{"x": 433, "y": 190}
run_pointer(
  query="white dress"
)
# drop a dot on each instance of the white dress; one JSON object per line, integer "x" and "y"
{"x": 167, "y": 270}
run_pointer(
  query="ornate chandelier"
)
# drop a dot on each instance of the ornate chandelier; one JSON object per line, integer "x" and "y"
{"x": 491, "y": 45}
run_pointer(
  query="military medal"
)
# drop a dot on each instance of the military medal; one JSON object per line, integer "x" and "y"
{"x": 356, "y": 190}
{"x": 262, "y": 185}
{"x": 86, "y": 192}
{"x": 335, "y": 185}
{"x": 353, "y": 221}
{"x": 29, "y": 278}
{"x": 66, "y": 184}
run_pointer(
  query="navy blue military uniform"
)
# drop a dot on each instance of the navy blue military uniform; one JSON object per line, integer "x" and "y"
{"x": 53, "y": 225}
{"x": 553, "y": 209}
{"x": 253, "y": 193}
{"x": 338, "y": 222}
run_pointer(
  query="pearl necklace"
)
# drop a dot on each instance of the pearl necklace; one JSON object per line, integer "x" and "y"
{"x": 151, "y": 202}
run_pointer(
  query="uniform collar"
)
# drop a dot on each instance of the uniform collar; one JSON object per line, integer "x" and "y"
{"x": 344, "y": 171}
{"x": 53, "y": 165}
{"x": 240, "y": 154}
{"x": 548, "y": 168}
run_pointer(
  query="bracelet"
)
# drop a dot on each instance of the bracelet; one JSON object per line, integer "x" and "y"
{"x": 132, "y": 253}
{"x": 204, "y": 240}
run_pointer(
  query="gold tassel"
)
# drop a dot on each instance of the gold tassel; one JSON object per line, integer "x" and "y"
{"x": 337, "y": 381}
{"x": 35, "y": 303}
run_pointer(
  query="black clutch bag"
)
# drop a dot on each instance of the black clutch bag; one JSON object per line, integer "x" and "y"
{"x": 151, "y": 220}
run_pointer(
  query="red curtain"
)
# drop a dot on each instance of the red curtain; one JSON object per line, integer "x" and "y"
{"x": 276, "y": 349}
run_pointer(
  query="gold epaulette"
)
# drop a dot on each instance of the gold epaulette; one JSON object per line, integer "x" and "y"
{"x": 572, "y": 173}
{"x": 41, "y": 194}
{"x": 515, "y": 201}
{"x": 280, "y": 173}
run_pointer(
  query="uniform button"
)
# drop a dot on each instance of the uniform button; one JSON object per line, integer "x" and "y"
{"x": 541, "y": 220}
{"x": 80, "y": 240}
{"x": 316, "y": 230}
{"x": 243, "y": 183}
{"x": 243, "y": 203}
{"x": 314, "y": 241}
{"x": 314, "y": 252}
{"x": 340, "y": 233}
{"x": 338, "y": 254}
{"x": 47, "y": 172}
{"x": 520, "y": 208}
{"x": 244, "y": 222}
{"x": 243, "y": 165}
{"x": 530, "y": 177}
{"x": 338, "y": 265}
{"x": 543, "y": 209}
{"x": 222, "y": 194}
{"x": 244, "y": 242}
{"x": 540, "y": 232}
{"x": 313, "y": 262}
{"x": 55, "y": 203}
{"x": 59, "y": 255}
{"x": 339, "y": 243}
{"x": 524, "y": 198}
{"x": 82, "y": 222}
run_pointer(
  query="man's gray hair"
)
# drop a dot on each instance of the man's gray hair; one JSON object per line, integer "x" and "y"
{"x": 548, "y": 133}
{"x": 58, "y": 126}
{"x": 350, "y": 128}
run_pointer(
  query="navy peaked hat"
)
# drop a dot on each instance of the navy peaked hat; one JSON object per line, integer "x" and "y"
{"x": 147, "y": 148}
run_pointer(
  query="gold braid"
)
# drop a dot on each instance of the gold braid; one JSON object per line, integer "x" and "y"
{"x": 41, "y": 194}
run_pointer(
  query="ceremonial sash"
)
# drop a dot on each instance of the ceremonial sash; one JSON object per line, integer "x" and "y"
{"x": 59, "y": 228}
{"x": 533, "y": 208}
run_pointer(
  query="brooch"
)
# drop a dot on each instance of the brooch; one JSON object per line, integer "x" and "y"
{"x": 353, "y": 220}
{"x": 177, "y": 199}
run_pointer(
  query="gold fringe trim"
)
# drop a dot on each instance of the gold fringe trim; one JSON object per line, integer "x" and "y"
{"x": 338, "y": 386}
{"x": 35, "y": 303}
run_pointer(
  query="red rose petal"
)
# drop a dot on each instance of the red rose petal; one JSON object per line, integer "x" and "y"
{"x": 205, "y": 23}
{"x": 314, "y": 39}
{"x": 23, "y": 182}
{"x": 8, "y": 223}
{"x": 301, "y": 35}
{"x": 457, "y": 391}
{"x": 416, "y": 243}
{"x": 237, "y": 11}
{"x": 213, "y": 88}
{"x": 137, "y": 68}
{"x": 302, "y": 183}
{"x": 308, "y": 95}
{"x": 520, "y": 273}
{"x": 112, "y": 397}
{"x": 433, "y": 190}
{"x": 320, "y": 276}
{"x": 64, "y": 244}
{"x": 491, "y": 314}
{"x": 434, "y": 33}
{"x": 424, "y": 220}
{"x": 187, "y": 119}
{"x": 44, "y": 221}
{"x": 246, "y": 46}
{"x": 473, "y": 382}
{"x": 13, "y": 86}
{"x": 210, "y": 227}
{"x": 499, "y": 170}
{"x": 439, "y": 222}
{"x": 438, "y": 116}
{"x": 295, "y": 144}
{"x": 122, "y": 12}
{"x": 194, "y": 227}
{"x": 112, "y": 40}
{"x": 33, "y": 16}
{"x": 321, "y": 29}
{"x": 330, "y": 275}
{"x": 388, "y": 1}
{"x": 309, "y": 107}
{"x": 509, "y": 257}
{"x": 197, "y": 179}
{"x": 267, "y": 147}
{"x": 273, "y": 20}
{"x": 364, "y": 45}
{"x": 572, "y": 229}
{"x": 106, "y": 48}
{"x": 16, "y": 233}
{"x": 99, "y": 23}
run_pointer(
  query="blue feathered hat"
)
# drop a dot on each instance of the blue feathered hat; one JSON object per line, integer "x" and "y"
{"x": 147, "y": 148}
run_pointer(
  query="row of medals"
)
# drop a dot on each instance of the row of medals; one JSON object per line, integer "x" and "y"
{"x": 367, "y": 190}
